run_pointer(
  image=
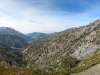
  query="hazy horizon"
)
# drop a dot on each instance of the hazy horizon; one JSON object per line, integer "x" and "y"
{"x": 47, "y": 16}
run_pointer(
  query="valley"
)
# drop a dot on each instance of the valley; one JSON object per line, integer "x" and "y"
{"x": 62, "y": 53}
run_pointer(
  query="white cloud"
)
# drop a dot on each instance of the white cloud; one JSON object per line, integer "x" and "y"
{"x": 34, "y": 19}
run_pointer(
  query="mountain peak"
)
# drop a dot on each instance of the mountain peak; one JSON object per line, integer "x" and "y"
{"x": 4, "y": 27}
{"x": 11, "y": 31}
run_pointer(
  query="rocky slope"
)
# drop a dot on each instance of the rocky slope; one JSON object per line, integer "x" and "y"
{"x": 64, "y": 53}
{"x": 79, "y": 43}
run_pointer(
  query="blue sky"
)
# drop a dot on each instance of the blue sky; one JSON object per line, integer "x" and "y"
{"x": 47, "y": 15}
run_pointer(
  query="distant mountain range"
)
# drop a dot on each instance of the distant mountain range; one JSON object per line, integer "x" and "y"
{"x": 37, "y": 36}
{"x": 12, "y": 38}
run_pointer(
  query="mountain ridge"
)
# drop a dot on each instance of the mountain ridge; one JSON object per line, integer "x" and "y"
{"x": 37, "y": 36}
{"x": 74, "y": 43}
{"x": 11, "y": 31}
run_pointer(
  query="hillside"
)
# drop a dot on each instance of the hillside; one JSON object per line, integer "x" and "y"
{"x": 80, "y": 43}
{"x": 84, "y": 66}
{"x": 12, "y": 41}
{"x": 11, "y": 58}
{"x": 95, "y": 70}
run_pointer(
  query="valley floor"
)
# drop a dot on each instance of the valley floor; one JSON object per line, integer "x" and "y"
{"x": 95, "y": 70}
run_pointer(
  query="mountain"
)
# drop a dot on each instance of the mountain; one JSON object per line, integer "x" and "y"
{"x": 12, "y": 41}
{"x": 11, "y": 31}
{"x": 63, "y": 53}
{"x": 56, "y": 35}
{"x": 37, "y": 35}
{"x": 67, "y": 50}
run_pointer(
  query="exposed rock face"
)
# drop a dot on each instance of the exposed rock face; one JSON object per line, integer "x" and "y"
{"x": 79, "y": 42}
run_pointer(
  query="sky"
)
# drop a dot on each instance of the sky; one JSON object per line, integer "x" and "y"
{"x": 47, "y": 16}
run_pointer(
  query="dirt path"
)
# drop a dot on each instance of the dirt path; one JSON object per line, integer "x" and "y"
{"x": 92, "y": 71}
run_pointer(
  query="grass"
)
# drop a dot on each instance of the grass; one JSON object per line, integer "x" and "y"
{"x": 88, "y": 63}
